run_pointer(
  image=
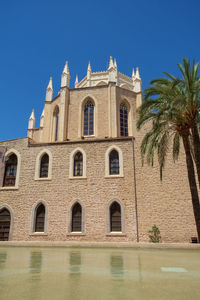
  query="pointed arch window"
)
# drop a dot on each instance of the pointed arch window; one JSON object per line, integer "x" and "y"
{"x": 114, "y": 162}
{"x": 88, "y": 128}
{"x": 10, "y": 170}
{"x": 77, "y": 218}
{"x": 123, "y": 119}
{"x": 44, "y": 166}
{"x": 40, "y": 218}
{"x": 78, "y": 164}
{"x": 5, "y": 220}
{"x": 115, "y": 217}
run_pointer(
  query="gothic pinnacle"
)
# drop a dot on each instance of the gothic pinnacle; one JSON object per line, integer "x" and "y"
{"x": 50, "y": 85}
{"x": 89, "y": 67}
{"x": 66, "y": 68}
{"x": 137, "y": 74}
{"x": 115, "y": 64}
{"x": 133, "y": 73}
{"x": 32, "y": 116}
{"x": 76, "y": 81}
{"x": 49, "y": 91}
{"x": 42, "y": 119}
{"x": 31, "y": 122}
{"x": 111, "y": 65}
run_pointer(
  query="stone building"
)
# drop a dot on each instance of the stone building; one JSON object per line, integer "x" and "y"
{"x": 79, "y": 175}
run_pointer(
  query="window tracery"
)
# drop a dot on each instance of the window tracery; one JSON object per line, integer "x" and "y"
{"x": 88, "y": 126}
{"x": 123, "y": 119}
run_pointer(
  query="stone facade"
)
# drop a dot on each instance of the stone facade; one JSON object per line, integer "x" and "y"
{"x": 143, "y": 198}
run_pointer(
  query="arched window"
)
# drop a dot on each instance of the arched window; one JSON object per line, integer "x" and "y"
{"x": 44, "y": 166}
{"x": 123, "y": 119}
{"x": 4, "y": 224}
{"x": 56, "y": 122}
{"x": 10, "y": 170}
{"x": 115, "y": 217}
{"x": 78, "y": 164}
{"x": 40, "y": 218}
{"x": 88, "y": 128}
{"x": 77, "y": 169}
{"x": 114, "y": 162}
{"x": 77, "y": 218}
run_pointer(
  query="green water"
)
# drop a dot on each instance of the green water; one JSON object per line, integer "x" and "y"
{"x": 94, "y": 274}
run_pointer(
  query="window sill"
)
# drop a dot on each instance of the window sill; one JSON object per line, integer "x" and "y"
{"x": 38, "y": 233}
{"x": 116, "y": 233}
{"x": 9, "y": 188}
{"x": 87, "y": 137}
{"x": 76, "y": 233}
{"x": 43, "y": 179}
{"x": 114, "y": 176}
{"x": 78, "y": 177}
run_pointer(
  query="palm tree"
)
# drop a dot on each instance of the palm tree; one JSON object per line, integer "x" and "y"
{"x": 172, "y": 107}
{"x": 190, "y": 104}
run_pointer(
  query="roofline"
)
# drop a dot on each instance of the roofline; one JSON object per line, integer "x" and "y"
{"x": 14, "y": 139}
{"x": 127, "y": 77}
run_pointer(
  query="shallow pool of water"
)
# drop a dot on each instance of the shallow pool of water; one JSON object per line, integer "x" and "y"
{"x": 94, "y": 274}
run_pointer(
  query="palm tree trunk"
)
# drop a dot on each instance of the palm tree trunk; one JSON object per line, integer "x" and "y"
{"x": 196, "y": 144}
{"x": 192, "y": 183}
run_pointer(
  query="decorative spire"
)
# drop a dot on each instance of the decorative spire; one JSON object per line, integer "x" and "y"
{"x": 42, "y": 119}
{"x": 50, "y": 85}
{"x": 76, "y": 82}
{"x": 89, "y": 71}
{"x": 32, "y": 116}
{"x": 115, "y": 64}
{"x": 65, "y": 78}
{"x": 31, "y": 122}
{"x": 89, "y": 67}
{"x": 137, "y": 75}
{"x": 112, "y": 70}
{"x": 49, "y": 91}
{"x": 133, "y": 74}
{"x": 111, "y": 65}
{"x": 137, "y": 82}
{"x": 66, "y": 68}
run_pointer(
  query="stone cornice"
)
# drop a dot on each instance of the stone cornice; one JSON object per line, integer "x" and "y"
{"x": 82, "y": 141}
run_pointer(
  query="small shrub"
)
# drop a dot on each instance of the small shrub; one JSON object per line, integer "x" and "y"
{"x": 154, "y": 234}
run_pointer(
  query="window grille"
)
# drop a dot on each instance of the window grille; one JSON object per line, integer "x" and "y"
{"x": 88, "y": 128}
{"x": 76, "y": 218}
{"x": 78, "y": 164}
{"x": 114, "y": 162}
{"x": 123, "y": 119}
{"x": 115, "y": 217}
{"x": 4, "y": 224}
{"x": 40, "y": 218}
{"x": 10, "y": 170}
{"x": 44, "y": 166}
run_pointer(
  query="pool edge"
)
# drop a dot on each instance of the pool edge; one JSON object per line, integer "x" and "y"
{"x": 74, "y": 244}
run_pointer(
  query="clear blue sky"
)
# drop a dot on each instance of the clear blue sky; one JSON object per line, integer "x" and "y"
{"x": 37, "y": 37}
